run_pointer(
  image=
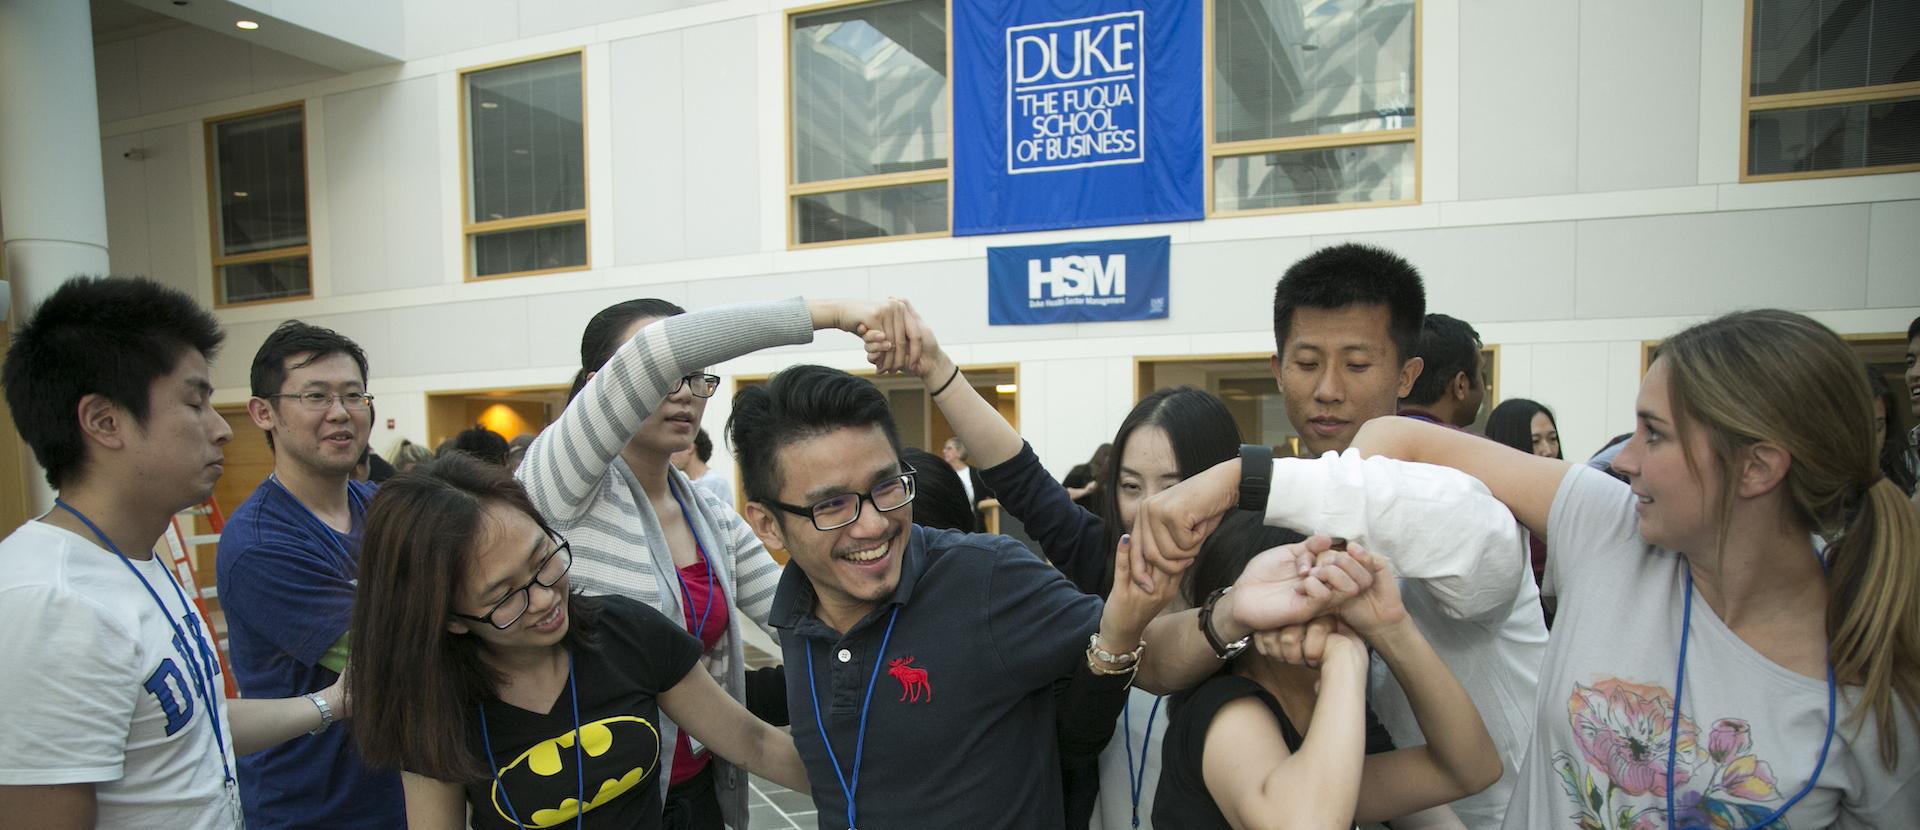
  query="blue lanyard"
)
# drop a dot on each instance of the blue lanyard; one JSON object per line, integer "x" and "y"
{"x": 579, "y": 760}
{"x": 1673, "y": 735}
{"x": 202, "y": 667}
{"x": 1137, "y": 782}
{"x": 699, "y": 549}
{"x": 860, "y": 737}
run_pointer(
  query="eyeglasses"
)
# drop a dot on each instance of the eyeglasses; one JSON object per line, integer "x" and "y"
{"x": 701, "y": 384}
{"x": 508, "y": 610}
{"x": 321, "y": 401}
{"x": 835, "y": 512}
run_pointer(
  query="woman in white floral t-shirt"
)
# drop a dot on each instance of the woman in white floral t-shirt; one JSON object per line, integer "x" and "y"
{"x": 1697, "y": 588}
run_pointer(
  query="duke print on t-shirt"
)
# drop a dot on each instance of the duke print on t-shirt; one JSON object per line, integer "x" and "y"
{"x": 170, "y": 687}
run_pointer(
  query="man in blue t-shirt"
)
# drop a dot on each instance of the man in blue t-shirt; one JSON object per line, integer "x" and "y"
{"x": 286, "y": 569}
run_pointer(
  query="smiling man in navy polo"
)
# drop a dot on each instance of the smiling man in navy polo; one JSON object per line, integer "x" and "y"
{"x": 920, "y": 662}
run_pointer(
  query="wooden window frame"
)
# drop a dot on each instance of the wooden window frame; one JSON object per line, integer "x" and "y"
{"x": 469, "y": 229}
{"x": 210, "y": 132}
{"x": 1217, "y": 150}
{"x": 796, "y": 190}
{"x": 1750, "y": 104}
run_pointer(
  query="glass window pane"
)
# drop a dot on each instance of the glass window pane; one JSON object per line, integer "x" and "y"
{"x": 865, "y": 214}
{"x": 1838, "y": 137}
{"x": 264, "y": 280}
{"x": 1331, "y": 176}
{"x": 1311, "y": 67}
{"x": 260, "y": 170}
{"x": 530, "y": 249}
{"x": 1810, "y": 45}
{"x": 525, "y": 139}
{"x": 870, "y": 90}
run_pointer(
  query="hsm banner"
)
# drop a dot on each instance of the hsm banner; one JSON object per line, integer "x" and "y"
{"x": 1078, "y": 282}
{"x": 1076, "y": 113}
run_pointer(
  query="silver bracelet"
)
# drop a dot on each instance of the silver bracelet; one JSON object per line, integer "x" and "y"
{"x": 326, "y": 712}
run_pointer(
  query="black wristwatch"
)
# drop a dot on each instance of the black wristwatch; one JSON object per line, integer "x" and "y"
{"x": 1256, "y": 476}
{"x": 1221, "y": 649}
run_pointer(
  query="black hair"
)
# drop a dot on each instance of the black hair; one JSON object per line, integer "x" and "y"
{"x": 1511, "y": 423}
{"x": 1892, "y": 449}
{"x": 1354, "y": 274}
{"x": 1242, "y": 535}
{"x": 1913, "y": 329}
{"x": 291, "y": 339}
{"x": 481, "y": 443}
{"x": 602, "y": 336}
{"x": 1448, "y": 346}
{"x": 110, "y": 336}
{"x": 702, "y": 446}
{"x": 798, "y": 403}
{"x": 1198, "y": 425}
{"x": 939, "y": 499}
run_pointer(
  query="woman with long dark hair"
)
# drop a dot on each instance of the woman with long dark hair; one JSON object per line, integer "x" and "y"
{"x": 499, "y": 692}
{"x": 603, "y": 475}
{"x": 1525, "y": 425}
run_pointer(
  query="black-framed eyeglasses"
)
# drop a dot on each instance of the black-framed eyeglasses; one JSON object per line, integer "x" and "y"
{"x": 701, "y": 384}
{"x": 322, "y": 401}
{"x": 835, "y": 512}
{"x": 514, "y": 605}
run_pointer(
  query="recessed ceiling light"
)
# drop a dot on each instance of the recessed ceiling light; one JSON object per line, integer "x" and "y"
{"x": 246, "y": 24}
{"x": 239, "y": 194}
{"x": 489, "y": 105}
{"x": 1006, "y": 388}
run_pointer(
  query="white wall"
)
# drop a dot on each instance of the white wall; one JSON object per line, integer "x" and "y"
{"x": 1579, "y": 177}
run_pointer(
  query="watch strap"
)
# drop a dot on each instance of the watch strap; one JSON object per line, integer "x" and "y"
{"x": 1256, "y": 476}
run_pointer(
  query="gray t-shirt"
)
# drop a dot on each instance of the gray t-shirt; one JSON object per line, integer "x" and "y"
{"x": 1750, "y": 731}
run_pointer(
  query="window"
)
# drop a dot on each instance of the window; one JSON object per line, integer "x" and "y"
{"x": 870, "y": 121}
{"x": 1833, "y": 88}
{"x": 1313, "y": 104}
{"x": 257, "y": 177}
{"x": 526, "y": 167}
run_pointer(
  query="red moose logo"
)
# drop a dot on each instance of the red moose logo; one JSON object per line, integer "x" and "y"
{"x": 913, "y": 681}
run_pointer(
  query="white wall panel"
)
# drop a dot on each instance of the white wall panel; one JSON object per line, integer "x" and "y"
{"x": 1519, "y": 97}
{"x": 1808, "y": 258}
{"x": 177, "y": 210}
{"x": 1571, "y": 380}
{"x": 187, "y": 65}
{"x": 555, "y": 322}
{"x": 1893, "y": 254}
{"x": 436, "y": 27}
{"x": 126, "y": 184}
{"x": 384, "y": 210}
{"x": 722, "y": 137}
{"x": 116, "y": 74}
{"x": 1487, "y": 273}
{"x": 649, "y": 175}
{"x": 483, "y": 335}
{"x": 1639, "y": 94}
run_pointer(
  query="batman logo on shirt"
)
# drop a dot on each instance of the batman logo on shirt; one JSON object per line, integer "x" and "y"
{"x": 618, "y": 754}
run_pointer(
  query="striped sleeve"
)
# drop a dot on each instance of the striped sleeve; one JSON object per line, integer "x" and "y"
{"x": 756, "y": 575}
{"x": 566, "y": 462}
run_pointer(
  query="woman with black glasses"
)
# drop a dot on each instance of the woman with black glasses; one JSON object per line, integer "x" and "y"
{"x": 602, "y": 474}
{"x": 503, "y": 696}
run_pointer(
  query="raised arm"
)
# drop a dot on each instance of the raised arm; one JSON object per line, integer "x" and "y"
{"x": 1258, "y": 784}
{"x": 1459, "y": 758}
{"x": 1436, "y": 524}
{"x": 1524, "y": 482}
{"x": 990, "y": 440}
{"x": 568, "y": 460}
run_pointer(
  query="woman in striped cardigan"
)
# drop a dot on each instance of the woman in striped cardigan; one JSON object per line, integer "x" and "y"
{"x": 601, "y": 476}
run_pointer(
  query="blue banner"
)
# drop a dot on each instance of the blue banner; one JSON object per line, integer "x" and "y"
{"x": 1077, "y": 113}
{"x": 1078, "y": 282}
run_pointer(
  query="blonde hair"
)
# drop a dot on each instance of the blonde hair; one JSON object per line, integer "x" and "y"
{"x": 1818, "y": 409}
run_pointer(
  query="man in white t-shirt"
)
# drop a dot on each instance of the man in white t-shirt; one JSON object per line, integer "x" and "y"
{"x": 1346, "y": 321}
{"x": 115, "y": 714}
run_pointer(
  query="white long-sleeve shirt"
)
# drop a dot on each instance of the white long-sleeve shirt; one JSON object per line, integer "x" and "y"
{"x": 1465, "y": 579}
